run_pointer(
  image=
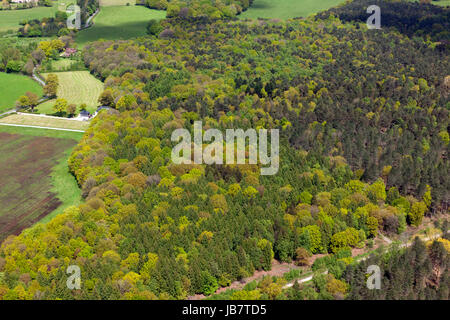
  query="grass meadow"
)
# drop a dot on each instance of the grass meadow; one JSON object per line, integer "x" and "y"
{"x": 287, "y": 9}
{"x": 119, "y": 22}
{"x": 110, "y": 3}
{"x": 76, "y": 87}
{"x": 442, "y": 3}
{"x": 62, "y": 64}
{"x": 9, "y": 19}
{"x": 13, "y": 86}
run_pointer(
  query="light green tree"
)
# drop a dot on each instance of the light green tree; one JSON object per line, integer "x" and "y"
{"x": 416, "y": 213}
{"x": 60, "y": 105}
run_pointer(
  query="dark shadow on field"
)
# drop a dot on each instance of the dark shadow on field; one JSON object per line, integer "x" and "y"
{"x": 257, "y": 4}
{"x": 121, "y": 31}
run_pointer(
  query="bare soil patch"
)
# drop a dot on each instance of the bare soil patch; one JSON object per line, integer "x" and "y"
{"x": 26, "y": 164}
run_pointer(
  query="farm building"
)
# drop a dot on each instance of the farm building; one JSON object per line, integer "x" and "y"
{"x": 85, "y": 115}
{"x": 68, "y": 52}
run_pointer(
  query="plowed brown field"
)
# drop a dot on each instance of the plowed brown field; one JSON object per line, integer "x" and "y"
{"x": 26, "y": 164}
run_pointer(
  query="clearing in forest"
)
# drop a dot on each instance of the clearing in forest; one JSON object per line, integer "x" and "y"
{"x": 76, "y": 87}
{"x": 287, "y": 9}
{"x": 119, "y": 22}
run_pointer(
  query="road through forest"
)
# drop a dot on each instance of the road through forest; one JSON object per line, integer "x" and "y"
{"x": 278, "y": 269}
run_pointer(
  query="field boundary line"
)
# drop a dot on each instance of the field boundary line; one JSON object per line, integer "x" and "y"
{"x": 39, "y": 127}
{"x": 7, "y": 113}
{"x": 46, "y": 116}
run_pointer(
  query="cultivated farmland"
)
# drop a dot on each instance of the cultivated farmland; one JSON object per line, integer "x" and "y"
{"x": 119, "y": 22}
{"x": 76, "y": 87}
{"x": 286, "y": 9}
{"x": 28, "y": 193}
{"x": 61, "y": 64}
{"x": 13, "y": 86}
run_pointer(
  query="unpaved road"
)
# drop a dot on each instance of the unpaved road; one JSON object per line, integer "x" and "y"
{"x": 306, "y": 279}
{"x": 37, "y": 78}
{"x": 278, "y": 269}
{"x": 404, "y": 245}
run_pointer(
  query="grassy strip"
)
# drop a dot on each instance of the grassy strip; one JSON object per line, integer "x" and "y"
{"x": 65, "y": 186}
{"x": 43, "y": 132}
{"x": 32, "y": 120}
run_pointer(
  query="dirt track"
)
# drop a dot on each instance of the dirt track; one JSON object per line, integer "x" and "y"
{"x": 278, "y": 269}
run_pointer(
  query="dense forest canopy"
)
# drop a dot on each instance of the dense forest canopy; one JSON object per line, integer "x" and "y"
{"x": 419, "y": 271}
{"x": 410, "y": 18}
{"x": 363, "y": 119}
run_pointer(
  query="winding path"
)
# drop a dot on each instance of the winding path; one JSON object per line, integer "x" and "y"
{"x": 389, "y": 241}
{"x": 276, "y": 266}
{"x": 404, "y": 245}
{"x": 302, "y": 280}
{"x": 37, "y": 78}
{"x": 88, "y": 21}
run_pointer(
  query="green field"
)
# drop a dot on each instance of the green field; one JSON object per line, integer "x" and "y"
{"x": 9, "y": 19}
{"x": 442, "y": 3}
{"x": 109, "y": 3}
{"x": 437, "y": 3}
{"x": 76, "y": 87}
{"x": 13, "y": 86}
{"x": 119, "y": 22}
{"x": 34, "y": 191}
{"x": 62, "y": 64}
{"x": 286, "y": 9}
